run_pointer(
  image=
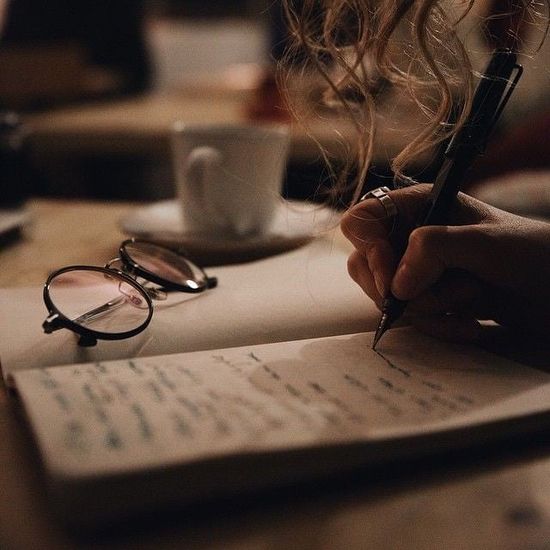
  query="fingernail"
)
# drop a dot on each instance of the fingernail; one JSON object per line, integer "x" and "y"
{"x": 405, "y": 283}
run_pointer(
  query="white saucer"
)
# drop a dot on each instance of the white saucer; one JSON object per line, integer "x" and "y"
{"x": 295, "y": 224}
{"x": 12, "y": 220}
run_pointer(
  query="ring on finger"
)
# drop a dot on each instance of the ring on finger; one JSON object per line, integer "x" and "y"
{"x": 381, "y": 194}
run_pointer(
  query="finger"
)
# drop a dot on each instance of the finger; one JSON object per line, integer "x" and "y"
{"x": 368, "y": 220}
{"x": 378, "y": 258}
{"x": 382, "y": 263}
{"x": 456, "y": 292}
{"x": 452, "y": 328}
{"x": 433, "y": 250}
{"x": 368, "y": 228}
{"x": 359, "y": 270}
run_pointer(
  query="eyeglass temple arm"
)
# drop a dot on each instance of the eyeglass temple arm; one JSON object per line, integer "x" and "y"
{"x": 87, "y": 341}
{"x": 53, "y": 323}
{"x": 211, "y": 282}
{"x": 100, "y": 310}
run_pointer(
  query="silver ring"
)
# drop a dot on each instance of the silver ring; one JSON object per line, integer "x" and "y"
{"x": 381, "y": 193}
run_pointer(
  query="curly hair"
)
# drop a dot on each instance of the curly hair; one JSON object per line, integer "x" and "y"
{"x": 413, "y": 45}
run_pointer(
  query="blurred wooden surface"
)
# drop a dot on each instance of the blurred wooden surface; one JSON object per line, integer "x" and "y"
{"x": 61, "y": 232}
{"x": 492, "y": 499}
{"x": 143, "y": 125}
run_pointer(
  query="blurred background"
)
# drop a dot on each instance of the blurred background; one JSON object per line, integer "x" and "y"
{"x": 89, "y": 90}
{"x": 64, "y": 64}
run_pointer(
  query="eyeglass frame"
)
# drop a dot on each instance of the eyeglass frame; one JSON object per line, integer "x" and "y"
{"x": 139, "y": 271}
{"x": 89, "y": 337}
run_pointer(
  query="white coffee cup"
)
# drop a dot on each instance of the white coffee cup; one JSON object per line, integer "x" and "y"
{"x": 229, "y": 178}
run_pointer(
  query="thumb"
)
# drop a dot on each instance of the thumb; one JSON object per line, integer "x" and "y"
{"x": 432, "y": 250}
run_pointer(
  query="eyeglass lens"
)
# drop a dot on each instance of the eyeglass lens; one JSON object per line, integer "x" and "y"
{"x": 165, "y": 264}
{"x": 98, "y": 300}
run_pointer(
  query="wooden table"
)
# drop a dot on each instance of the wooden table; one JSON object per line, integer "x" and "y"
{"x": 488, "y": 499}
{"x": 122, "y": 148}
{"x": 143, "y": 125}
{"x": 62, "y": 232}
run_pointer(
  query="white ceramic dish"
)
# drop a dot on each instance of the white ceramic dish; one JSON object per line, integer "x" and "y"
{"x": 12, "y": 220}
{"x": 295, "y": 224}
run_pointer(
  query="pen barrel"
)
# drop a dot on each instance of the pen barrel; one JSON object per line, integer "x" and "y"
{"x": 447, "y": 185}
{"x": 393, "y": 307}
{"x": 489, "y": 100}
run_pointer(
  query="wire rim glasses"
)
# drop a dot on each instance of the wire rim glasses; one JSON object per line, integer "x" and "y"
{"x": 109, "y": 303}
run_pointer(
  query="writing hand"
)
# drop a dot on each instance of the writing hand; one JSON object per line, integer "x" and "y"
{"x": 489, "y": 264}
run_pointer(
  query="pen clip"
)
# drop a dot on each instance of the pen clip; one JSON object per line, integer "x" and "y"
{"x": 511, "y": 87}
{"x": 490, "y": 98}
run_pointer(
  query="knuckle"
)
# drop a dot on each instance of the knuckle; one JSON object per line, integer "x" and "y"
{"x": 427, "y": 239}
{"x": 346, "y": 223}
{"x": 484, "y": 237}
{"x": 364, "y": 220}
{"x": 353, "y": 224}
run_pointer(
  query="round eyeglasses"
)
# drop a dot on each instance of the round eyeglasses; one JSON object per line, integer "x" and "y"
{"x": 109, "y": 303}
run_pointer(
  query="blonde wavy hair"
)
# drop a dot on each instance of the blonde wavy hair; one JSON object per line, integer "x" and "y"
{"x": 349, "y": 41}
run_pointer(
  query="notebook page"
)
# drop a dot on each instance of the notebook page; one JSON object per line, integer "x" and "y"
{"x": 131, "y": 414}
{"x": 292, "y": 287}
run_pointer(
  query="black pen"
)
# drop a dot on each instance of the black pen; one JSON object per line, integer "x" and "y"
{"x": 490, "y": 98}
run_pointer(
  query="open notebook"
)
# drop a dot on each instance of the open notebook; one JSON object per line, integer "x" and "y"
{"x": 119, "y": 436}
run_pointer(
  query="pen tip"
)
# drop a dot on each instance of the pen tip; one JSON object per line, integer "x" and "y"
{"x": 382, "y": 327}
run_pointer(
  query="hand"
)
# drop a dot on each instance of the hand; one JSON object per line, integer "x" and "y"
{"x": 489, "y": 264}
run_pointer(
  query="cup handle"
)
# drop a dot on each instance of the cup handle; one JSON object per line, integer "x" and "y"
{"x": 200, "y": 167}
